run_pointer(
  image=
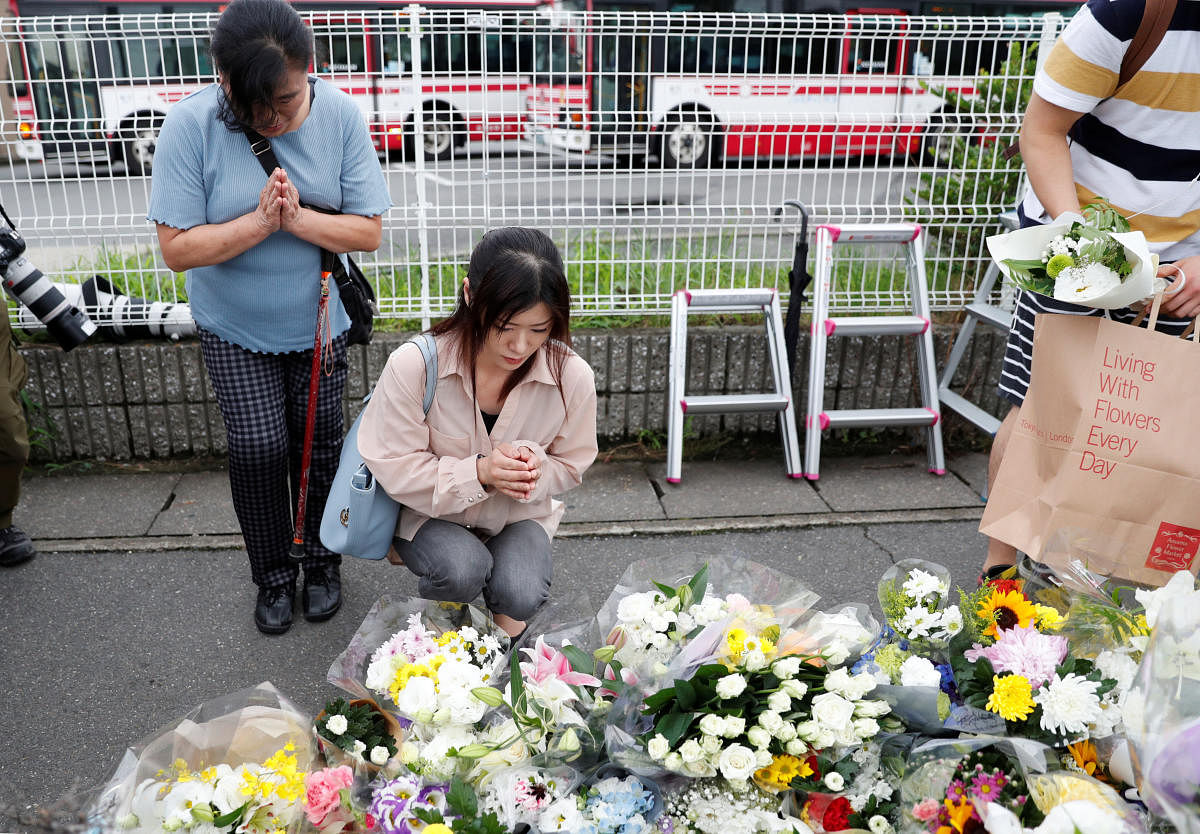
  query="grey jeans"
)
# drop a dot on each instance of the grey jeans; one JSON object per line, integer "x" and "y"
{"x": 513, "y": 568}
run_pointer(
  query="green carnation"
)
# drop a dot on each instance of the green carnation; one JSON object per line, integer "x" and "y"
{"x": 890, "y": 658}
{"x": 1057, "y": 264}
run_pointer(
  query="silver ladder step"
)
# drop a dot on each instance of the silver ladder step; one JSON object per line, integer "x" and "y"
{"x": 766, "y": 302}
{"x": 734, "y": 403}
{"x": 989, "y": 313}
{"x": 825, "y": 327}
{"x": 969, "y": 411}
{"x": 876, "y": 325}
{"x": 887, "y": 418}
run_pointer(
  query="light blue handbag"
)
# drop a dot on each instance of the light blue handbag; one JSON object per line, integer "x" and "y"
{"x": 360, "y": 517}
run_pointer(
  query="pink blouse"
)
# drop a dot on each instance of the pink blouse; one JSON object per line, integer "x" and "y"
{"x": 428, "y": 464}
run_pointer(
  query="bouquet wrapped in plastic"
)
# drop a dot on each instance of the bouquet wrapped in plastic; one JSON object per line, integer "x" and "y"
{"x": 1162, "y": 715}
{"x": 1095, "y": 261}
{"x": 233, "y": 763}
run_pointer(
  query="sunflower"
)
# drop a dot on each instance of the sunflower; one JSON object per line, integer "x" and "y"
{"x": 1004, "y": 610}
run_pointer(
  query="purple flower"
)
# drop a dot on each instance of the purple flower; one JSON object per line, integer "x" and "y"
{"x": 1175, "y": 771}
{"x": 1023, "y": 651}
{"x": 391, "y": 804}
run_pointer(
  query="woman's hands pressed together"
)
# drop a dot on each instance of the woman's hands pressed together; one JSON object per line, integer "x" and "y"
{"x": 512, "y": 470}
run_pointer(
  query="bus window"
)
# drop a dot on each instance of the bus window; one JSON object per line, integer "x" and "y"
{"x": 397, "y": 54}
{"x": 172, "y": 60}
{"x": 871, "y": 55}
{"x": 338, "y": 50}
{"x": 16, "y": 72}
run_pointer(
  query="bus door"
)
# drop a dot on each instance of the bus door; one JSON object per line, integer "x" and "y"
{"x": 66, "y": 95}
{"x": 871, "y": 99}
{"x": 618, "y": 82}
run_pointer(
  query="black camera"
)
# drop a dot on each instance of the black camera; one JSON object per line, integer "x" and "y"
{"x": 69, "y": 325}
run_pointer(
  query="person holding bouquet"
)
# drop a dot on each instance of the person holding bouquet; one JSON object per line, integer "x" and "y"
{"x": 513, "y": 423}
{"x": 1084, "y": 138}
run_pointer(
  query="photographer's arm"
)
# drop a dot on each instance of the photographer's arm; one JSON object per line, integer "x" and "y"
{"x": 1047, "y": 155}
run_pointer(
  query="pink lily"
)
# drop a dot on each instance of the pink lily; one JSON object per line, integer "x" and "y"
{"x": 627, "y": 675}
{"x": 551, "y": 664}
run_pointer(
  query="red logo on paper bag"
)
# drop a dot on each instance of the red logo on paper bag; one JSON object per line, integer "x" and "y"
{"x": 1174, "y": 547}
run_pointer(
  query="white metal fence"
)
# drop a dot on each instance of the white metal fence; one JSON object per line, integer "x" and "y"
{"x": 658, "y": 150}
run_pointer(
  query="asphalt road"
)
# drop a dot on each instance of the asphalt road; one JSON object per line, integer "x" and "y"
{"x": 99, "y": 650}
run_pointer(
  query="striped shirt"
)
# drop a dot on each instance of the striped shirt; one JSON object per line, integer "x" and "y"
{"x": 1137, "y": 147}
{"x": 266, "y": 298}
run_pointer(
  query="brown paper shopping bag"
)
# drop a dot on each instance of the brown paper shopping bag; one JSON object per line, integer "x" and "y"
{"x": 1106, "y": 450}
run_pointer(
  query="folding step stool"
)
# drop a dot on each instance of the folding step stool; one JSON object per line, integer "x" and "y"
{"x": 980, "y": 310}
{"x": 824, "y": 327}
{"x": 765, "y": 301}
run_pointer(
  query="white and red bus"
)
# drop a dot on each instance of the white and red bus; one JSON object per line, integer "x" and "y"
{"x": 103, "y": 73}
{"x": 799, "y": 80}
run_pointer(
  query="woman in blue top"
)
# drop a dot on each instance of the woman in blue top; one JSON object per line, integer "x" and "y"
{"x": 252, "y": 258}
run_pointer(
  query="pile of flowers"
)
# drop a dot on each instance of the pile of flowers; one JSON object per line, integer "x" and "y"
{"x": 693, "y": 703}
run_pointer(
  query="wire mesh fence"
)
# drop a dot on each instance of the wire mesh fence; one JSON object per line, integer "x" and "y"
{"x": 661, "y": 150}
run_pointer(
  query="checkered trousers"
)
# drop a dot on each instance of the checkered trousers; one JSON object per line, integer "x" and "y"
{"x": 264, "y": 401}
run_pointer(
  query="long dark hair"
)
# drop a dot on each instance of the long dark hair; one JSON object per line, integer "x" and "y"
{"x": 511, "y": 270}
{"x": 254, "y": 44}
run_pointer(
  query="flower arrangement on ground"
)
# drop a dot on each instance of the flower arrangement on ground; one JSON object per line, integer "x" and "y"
{"x": 913, "y": 596}
{"x": 857, "y": 790}
{"x": 986, "y": 775}
{"x": 358, "y": 729}
{"x": 718, "y": 806}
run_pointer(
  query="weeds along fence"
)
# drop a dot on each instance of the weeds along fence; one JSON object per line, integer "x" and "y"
{"x": 661, "y": 151}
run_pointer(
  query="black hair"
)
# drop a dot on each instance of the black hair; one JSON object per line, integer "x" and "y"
{"x": 511, "y": 270}
{"x": 254, "y": 45}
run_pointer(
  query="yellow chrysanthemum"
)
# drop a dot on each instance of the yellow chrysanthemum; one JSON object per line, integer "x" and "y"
{"x": 1005, "y": 610}
{"x": 1048, "y": 617}
{"x": 781, "y": 771}
{"x": 1012, "y": 697}
{"x": 735, "y": 642}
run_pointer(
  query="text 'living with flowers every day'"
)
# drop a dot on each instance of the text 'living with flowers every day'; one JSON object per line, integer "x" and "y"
{"x": 1121, "y": 379}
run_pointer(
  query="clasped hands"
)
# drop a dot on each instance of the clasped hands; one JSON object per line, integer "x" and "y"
{"x": 511, "y": 470}
{"x": 278, "y": 204}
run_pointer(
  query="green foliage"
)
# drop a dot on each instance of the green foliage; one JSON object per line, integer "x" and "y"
{"x": 463, "y": 812}
{"x": 971, "y": 176}
{"x": 364, "y": 722}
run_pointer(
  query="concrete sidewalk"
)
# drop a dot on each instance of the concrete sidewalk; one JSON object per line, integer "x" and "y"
{"x": 131, "y": 510}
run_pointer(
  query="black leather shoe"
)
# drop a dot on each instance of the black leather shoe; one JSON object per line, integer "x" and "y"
{"x": 273, "y": 611}
{"x": 322, "y": 593}
{"x": 15, "y": 547}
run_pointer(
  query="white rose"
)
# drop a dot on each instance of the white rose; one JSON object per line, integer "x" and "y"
{"x": 863, "y": 683}
{"x": 658, "y": 747}
{"x": 713, "y": 725}
{"x": 919, "y": 671}
{"x": 779, "y": 701}
{"x": 808, "y": 730}
{"x": 832, "y": 711}
{"x": 754, "y": 660}
{"x": 786, "y": 732}
{"x": 866, "y": 727}
{"x": 879, "y": 824}
{"x": 711, "y": 745}
{"x": 794, "y": 689}
{"x": 763, "y": 758}
{"x": 379, "y": 755}
{"x": 838, "y": 681}
{"x": 786, "y": 667}
{"x": 735, "y": 725}
{"x": 691, "y": 752}
{"x": 834, "y": 781}
{"x": 837, "y": 653}
{"x": 673, "y": 762}
{"x": 828, "y": 738}
{"x": 770, "y": 721}
{"x": 731, "y": 686}
{"x": 871, "y": 709}
{"x": 796, "y": 747}
{"x": 700, "y": 770}
{"x": 737, "y": 762}
{"x": 759, "y": 737}
{"x": 337, "y": 724}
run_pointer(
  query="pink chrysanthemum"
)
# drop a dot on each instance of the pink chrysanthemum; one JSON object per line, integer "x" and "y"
{"x": 1024, "y": 651}
{"x": 987, "y": 786}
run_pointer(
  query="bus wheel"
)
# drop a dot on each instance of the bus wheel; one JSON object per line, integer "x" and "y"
{"x": 138, "y": 150}
{"x": 441, "y": 134}
{"x": 688, "y": 141}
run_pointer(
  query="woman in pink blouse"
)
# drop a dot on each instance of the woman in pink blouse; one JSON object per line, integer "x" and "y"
{"x": 513, "y": 423}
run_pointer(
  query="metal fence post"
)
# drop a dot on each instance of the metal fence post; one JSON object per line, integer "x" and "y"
{"x": 418, "y": 160}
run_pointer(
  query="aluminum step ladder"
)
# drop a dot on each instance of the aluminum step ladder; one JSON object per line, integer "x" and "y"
{"x": 679, "y": 402}
{"x": 825, "y": 327}
{"x": 981, "y": 310}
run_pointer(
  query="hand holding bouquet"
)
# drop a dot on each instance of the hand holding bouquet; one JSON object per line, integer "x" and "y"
{"x": 1096, "y": 262}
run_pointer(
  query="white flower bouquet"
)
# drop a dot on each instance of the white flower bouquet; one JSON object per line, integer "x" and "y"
{"x": 1096, "y": 262}
{"x": 423, "y": 659}
{"x": 234, "y": 763}
{"x": 717, "y": 806}
{"x": 913, "y": 594}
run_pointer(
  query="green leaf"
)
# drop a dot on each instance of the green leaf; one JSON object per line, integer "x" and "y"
{"x": 230, "y": 818}
{"x": 580, "y": 660}
{"x": 427, "y": 815}
{"x": 666, "y": 589}
{"x": 710, "y": 671}
{"x": 461, "y": 798}
{"x": 515, "y": 681}
{"x": 699, "y": 584}
{"x": 674, "y": 725}
{"x": 659, "y": 699}
{"x": 685, "y": 693}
